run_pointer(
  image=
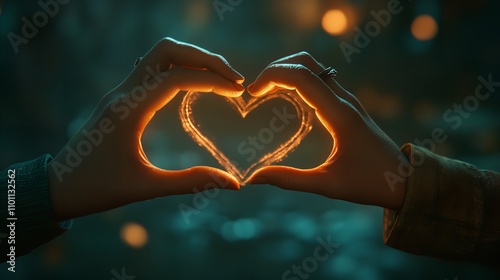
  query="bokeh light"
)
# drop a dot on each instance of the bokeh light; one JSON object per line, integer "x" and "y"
{"x": 134, "y": 235}
{"x": 54, "y": 254}
{"x": 300, "y": 15}
{"x": 334, "y": 22}
{"x": 51, "y": 87}
{"x": 424, "y": 28}
{"x": 241, "y": 229}
{"x": 198, "y": 12}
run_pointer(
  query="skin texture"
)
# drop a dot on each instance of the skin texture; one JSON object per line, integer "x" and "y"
{"x": 362, "y": 152}
{"x": 117, "y": 172}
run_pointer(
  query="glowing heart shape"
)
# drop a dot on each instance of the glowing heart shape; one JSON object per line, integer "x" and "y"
{"x": 304, "y": 114}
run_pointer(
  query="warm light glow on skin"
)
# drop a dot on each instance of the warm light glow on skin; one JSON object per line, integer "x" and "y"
{"x": 134, "y": 235}
{"x": 304, "y": 112}
{"x": 424, "y": 28}
{"x": 333, "y": 154}
{"x": 334, "y": 22}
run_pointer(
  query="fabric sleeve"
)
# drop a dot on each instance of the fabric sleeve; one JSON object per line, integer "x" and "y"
{"x": 451, "y": 210}
{"x": 26, "y": 211}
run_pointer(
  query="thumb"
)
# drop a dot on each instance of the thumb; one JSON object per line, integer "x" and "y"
{"x": 191, "y": 180}
{"x": 287, "y": 178}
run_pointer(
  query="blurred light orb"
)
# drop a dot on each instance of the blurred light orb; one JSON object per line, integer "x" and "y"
{"x": 244, "y": 229}
{"x": 134, "y": 235}
{"x": 334, "y": 22}
{"x": 424, "y": 28}
{"x": 241, "y": 229}
{"x": 297, "y": 15}
{"x": 198, "y": 12}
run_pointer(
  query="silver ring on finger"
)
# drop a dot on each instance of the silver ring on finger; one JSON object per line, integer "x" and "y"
{"x": 137, "y": 61}
{"x": 328, "y": 72}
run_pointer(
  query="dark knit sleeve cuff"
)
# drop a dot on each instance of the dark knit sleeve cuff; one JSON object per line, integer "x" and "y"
{"x": 29, "y": 209}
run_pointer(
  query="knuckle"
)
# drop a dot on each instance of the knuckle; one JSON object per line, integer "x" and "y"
{"x": 302, "y": 57}
{"x": 290, "y": 68}
{"x": 304, "y": 53}
{"x": 305, "y": 57}
{"x": 293, "y": 73}
{"x": 301, "y": 70}
{"x": 274, "y": 69}
{"x": 166, "y": 42}
{"x": 217, "y": 56}
{"x": 308, "y": 60}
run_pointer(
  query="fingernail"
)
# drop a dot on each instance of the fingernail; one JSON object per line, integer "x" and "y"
{"x": 238, "y": 77}
{"x": 238, "y": 87}
{"x": 260, "y": 180}
{"x": 250, "y": 87}
{"x": 234, "y": 188}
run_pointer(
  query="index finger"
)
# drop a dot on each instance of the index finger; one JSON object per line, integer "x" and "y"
{"x": 309, "y": 86}
{"x": 168, "y": 52}
{"x": 304, "y": 58}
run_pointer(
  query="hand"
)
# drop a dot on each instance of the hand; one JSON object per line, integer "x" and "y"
{"x": 362, "y": 152}
{"x": 103, "y": 166}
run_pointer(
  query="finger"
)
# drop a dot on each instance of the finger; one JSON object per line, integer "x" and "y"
{"x": 305, "y": 59}
{"x": 192, "y": 180}
{"x": 182, "y": 79}
{"x": 288, "y": 178}
{"x": 309, "y": 86}
{"x": 170, "y": 52}
{"x": 345, "y": 94}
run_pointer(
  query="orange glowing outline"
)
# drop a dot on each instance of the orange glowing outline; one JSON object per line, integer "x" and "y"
{"x": 304, "y": 112}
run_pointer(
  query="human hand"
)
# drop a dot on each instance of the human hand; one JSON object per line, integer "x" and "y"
{"x": 362, "y": 152}
{"x": 103, "y": 166}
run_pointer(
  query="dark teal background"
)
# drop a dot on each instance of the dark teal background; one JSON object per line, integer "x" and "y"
{"x": 51, "y": 86}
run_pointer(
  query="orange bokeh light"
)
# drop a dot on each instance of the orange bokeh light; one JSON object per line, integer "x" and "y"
{"x": 302, "y": 15}
{"x": 424, "y": 28}
{"x": 198, "y": 12}
{"x": 334, "y": 22}
{"x": 134, "y": 235}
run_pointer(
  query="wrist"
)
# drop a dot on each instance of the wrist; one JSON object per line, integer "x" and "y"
{"x": 55, "y": 185}
{"x": 397, "y": 181}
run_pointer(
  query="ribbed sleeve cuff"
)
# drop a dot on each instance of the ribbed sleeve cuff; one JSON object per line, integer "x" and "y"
{"x": 35, "y": 224}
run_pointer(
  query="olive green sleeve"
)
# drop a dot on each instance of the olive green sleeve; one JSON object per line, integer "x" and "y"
{"x": 451, "y": 210}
